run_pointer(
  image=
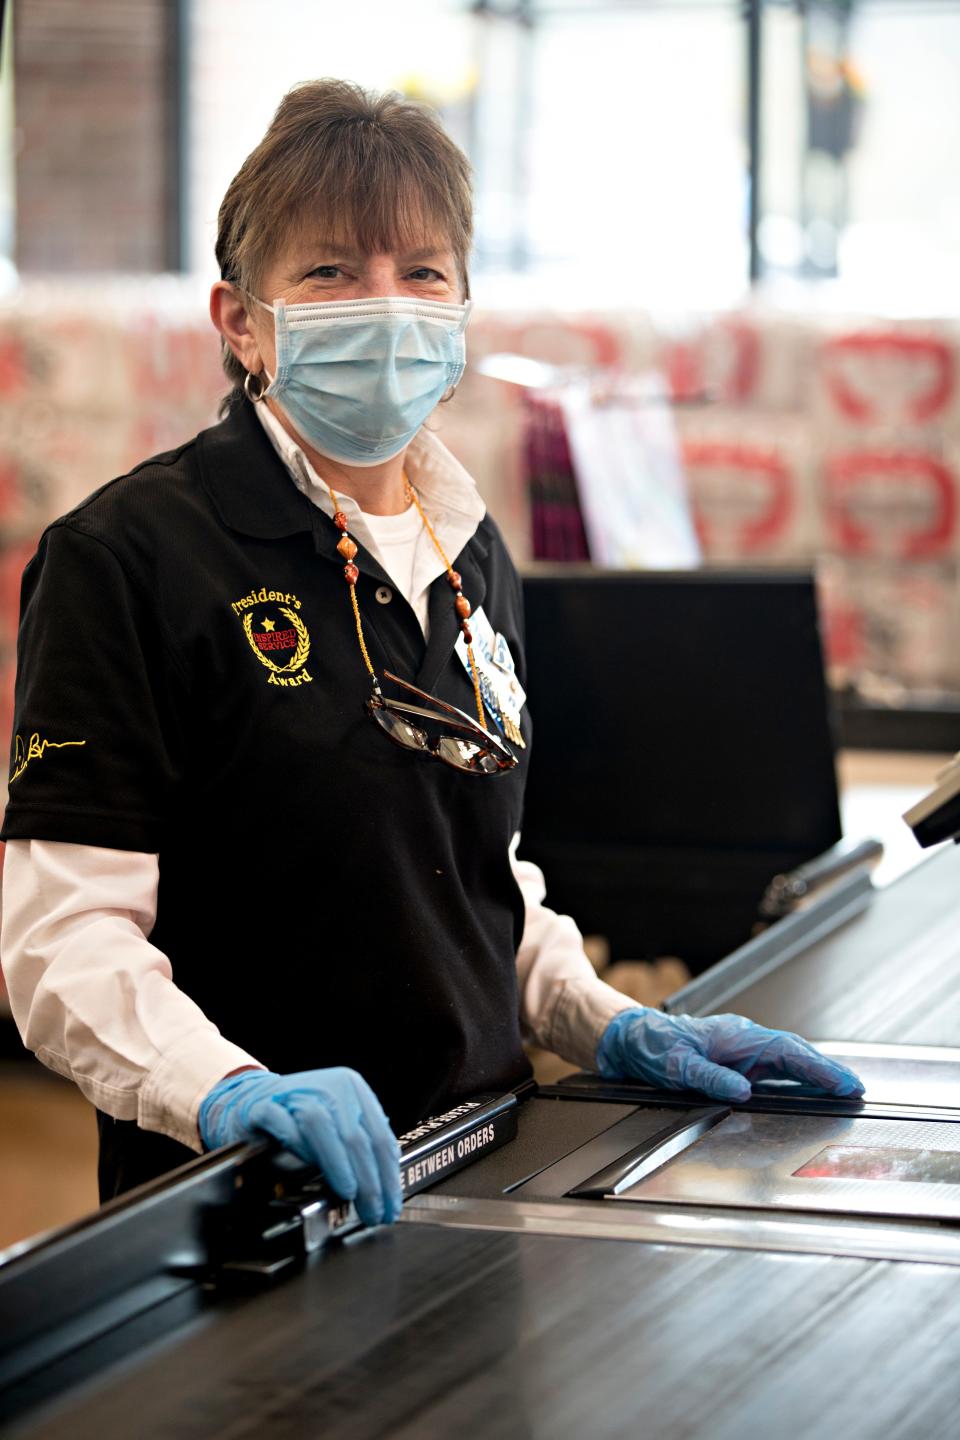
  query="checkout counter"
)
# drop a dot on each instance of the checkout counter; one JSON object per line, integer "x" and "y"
{"x": 599, "y": 1259}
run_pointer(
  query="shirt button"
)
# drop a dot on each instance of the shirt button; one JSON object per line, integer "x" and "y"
{"x": 384, "y": 595}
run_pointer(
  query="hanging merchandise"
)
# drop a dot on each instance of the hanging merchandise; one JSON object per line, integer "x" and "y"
{"x": 630, "y": 478}
{"x": 556, "y": 519}
{"x": 604, "y": 472}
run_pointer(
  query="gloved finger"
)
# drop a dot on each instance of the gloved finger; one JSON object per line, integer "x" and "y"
{"x": 371, "y": 1198}
{"x": 386, "y": 1157}
{"x": 272, "y": 1118}
{"x": 386, "y": 1151}
{"x": 697, "y": 1073}
{"x": 325, "y": 1146}
{"x": 798, "y": 1060}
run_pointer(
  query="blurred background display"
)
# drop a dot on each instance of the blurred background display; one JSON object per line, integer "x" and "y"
{"x": 662, "y": 151}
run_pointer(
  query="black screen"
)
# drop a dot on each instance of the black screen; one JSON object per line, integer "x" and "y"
{"x": 682, "y": 750}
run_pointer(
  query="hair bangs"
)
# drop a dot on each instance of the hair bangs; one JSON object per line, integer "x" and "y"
{"x": 380, "y": 200}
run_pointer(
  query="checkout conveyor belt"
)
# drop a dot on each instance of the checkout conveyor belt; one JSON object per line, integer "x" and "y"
{"x": 889, "y": 972}
{"x": 430, "y": 1331}
{"x": 511, "y": 1301}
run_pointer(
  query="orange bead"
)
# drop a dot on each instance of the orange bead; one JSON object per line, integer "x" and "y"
{"x": 467, "y": 633}
{"x": 341, "y": 521}
{"x": 351, "y": 574}
{"x": 463, "y": 606}
{"x": 347, "y": 548}
{"x": 454, "y": 580}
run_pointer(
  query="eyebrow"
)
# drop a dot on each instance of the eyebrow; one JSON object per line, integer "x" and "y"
{"x": 308, "y": 253}
{"x": 331, "y": 249}
{"x": 430, "y": 252}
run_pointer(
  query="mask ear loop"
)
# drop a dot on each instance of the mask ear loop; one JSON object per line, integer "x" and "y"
{"x": 451, "y": 390}
{"x": 261, "y": 394}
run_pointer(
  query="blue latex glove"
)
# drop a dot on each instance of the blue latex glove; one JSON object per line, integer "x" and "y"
{"x": 718, "y": 1054}
{"x": 329, "y": 1118}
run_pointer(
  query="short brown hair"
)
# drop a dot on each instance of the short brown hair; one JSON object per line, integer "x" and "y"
{"x": 379, "y": 169}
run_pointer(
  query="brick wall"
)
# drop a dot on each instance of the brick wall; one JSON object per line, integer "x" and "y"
{"x": 96, "y": 183}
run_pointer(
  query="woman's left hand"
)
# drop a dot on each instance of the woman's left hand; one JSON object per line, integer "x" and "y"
{"x": 717, "y": 1054}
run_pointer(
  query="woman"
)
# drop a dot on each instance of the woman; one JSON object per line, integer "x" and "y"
{"x": 270, "y": 744}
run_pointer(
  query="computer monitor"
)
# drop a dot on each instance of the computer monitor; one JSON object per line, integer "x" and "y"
{"x": 683, "y": 751}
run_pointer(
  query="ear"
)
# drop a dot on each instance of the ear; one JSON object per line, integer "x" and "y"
{"x": 228, "y": 311}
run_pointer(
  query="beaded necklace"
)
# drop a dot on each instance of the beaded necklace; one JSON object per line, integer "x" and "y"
{"x": 347, "y": 548}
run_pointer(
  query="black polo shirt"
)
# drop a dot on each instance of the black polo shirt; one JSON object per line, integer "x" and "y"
{"x": 190, "y": 683}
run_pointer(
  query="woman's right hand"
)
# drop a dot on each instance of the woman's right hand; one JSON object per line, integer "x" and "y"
{"x": 330, "y": 1118}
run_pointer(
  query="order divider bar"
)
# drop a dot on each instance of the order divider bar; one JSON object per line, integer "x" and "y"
{"x": 665, "y": 1144}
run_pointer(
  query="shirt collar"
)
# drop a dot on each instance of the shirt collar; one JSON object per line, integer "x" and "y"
{"x": 447, "y": 493}
{"x": 250, "y": 491}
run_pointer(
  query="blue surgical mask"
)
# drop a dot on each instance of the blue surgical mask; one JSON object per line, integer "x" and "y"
{"x": 357, "y": 378}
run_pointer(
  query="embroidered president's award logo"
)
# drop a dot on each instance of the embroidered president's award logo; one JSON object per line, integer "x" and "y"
{"x": 276, "y": 635}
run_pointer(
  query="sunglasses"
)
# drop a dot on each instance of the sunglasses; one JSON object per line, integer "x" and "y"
{"x": 459, "y": 741}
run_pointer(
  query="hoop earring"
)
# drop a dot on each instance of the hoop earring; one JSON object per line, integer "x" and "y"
{"x": 258, "y": 398}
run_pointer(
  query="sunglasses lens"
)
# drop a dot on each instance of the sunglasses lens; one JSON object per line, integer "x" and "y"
{"x": 471, "y": 757}
{"x": 466, "y": 755}
{"x": 400, "y": 729}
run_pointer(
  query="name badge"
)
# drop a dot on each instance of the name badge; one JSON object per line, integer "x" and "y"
{"x": 502, "y": 694}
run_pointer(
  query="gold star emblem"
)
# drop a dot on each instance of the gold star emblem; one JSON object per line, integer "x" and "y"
{"x": 269, "y": 625}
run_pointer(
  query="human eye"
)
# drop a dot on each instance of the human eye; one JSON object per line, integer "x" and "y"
{"x": 324, "y": 272}
{"x": 424, "y": 272}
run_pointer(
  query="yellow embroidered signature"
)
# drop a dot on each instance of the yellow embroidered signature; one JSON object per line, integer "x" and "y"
{"x": 34, "y": 750}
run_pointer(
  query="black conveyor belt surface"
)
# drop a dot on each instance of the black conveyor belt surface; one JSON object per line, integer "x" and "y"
{"x": 424, "y": 1332}
{"x": 546, "y": 1130}
{"x": 890, "y": 975}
